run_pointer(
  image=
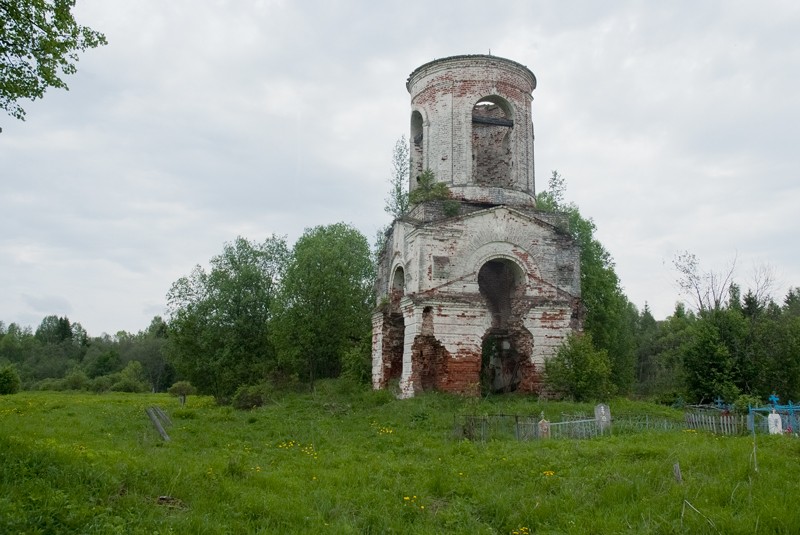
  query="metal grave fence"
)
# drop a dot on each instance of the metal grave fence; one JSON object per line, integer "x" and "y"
{"x": 578, "y": 426}
{"x": 719, "y": 424}
{"x": 483, "y": 428}
{"x": 758, "y": 418}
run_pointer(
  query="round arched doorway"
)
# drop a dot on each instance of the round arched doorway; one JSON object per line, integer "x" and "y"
{"x": 501, "y": 283}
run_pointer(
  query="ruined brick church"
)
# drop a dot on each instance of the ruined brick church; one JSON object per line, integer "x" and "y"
{"x": 474, "y": 292}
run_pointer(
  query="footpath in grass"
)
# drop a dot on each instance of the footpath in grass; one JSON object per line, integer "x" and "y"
{"x": 344, "y": 460}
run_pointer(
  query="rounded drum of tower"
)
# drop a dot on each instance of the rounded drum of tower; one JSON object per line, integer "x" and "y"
{"x": 471, "y": 125}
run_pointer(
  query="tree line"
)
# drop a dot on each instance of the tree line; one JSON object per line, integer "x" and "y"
{"x": 261, "y": 312}
{"x": 264, "y": 314}
{"x": 59, "y": 355}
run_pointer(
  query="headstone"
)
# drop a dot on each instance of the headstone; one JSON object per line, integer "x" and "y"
{"x": 602, "y": 414}
{"x": 774, "y": 423}
{"x": 544, "y": 429}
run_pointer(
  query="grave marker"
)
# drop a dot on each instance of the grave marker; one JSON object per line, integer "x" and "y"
{"x": 774, "y": 423}
{"x": 603, "y": 416}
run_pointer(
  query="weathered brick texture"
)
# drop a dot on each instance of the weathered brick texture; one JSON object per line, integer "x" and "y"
{"x": 477, "y": 298}
{"x": 480, "y": 162}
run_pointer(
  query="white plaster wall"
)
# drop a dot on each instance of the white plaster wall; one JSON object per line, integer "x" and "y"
{"x": 445, "y": 92}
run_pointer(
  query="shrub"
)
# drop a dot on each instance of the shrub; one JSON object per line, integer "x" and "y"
{"x": 744, "y": 402}
{"x": 130, "y": 379}
{"x": 357, "y": 364}
{"x": 101, "y": 384}
{"x": 579, "y": 370}
{"x": 9, "y": 380}
{"x": 51, "y": 384}
{"x": 428, "y": 189}
{"x": 76, "y": 380}
{"x": 249, "y": 397}
{"x": 181, "y": 389}
{"x": 127, "y": 384}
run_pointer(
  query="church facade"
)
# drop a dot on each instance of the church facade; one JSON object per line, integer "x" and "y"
{"x": 474, "y": 291}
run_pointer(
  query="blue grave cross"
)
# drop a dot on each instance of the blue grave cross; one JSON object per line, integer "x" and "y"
{"x": 773, "y": 398}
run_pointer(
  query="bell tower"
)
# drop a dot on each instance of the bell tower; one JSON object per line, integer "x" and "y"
{"x": 471, "y": 126}
{"x": 476, "y": 290}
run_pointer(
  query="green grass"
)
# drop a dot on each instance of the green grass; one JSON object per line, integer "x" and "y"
{"x": 348, "y": 461}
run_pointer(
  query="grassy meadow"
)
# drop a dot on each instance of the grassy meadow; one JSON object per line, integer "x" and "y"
{"x": 345, "y": 460}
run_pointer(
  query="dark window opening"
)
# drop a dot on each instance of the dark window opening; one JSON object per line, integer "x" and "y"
{"x": 491, "y": 142}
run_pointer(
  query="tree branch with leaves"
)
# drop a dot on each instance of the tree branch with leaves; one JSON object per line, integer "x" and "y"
{"x": 39, "y": 44}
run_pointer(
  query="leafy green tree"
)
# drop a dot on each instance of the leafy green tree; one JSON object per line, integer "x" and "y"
{"x": 182, "y": 389}
{"x": 610, "y": 317}
{"x": 776, "y": 347}
{"x": 131, "y": 379}
{"x": 17, "y": 343}
{"x": 646, "y": 336}
{"x": 149, "y": 347}
{"x": 39, "y": 43}
{"x": 660, "y": 349}
{"x": 326, "y": 301}
{"x": 738, "y": 343}
{"x": 220, "y": 320}
{"x": 357, "y": 361}
{"x": 76, "y": 380}
{"x": 397, "y": 198}
{"x": 54, "y": 350}
{"x": 579, "y": 370}
{"x": 708, "y": 361}
{"x": 53, "y": 330}
{"x": 791, "y": 303}
{"x": 9, "y": 380}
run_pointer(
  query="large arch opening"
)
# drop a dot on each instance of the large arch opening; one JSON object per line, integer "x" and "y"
{"x": 506, "y": 344}
{"x": 394, "y": 328}
{"x": 500, "y": 282}
{"x": 492, "y": 123}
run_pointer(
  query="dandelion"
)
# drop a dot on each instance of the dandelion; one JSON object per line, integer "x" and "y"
{"x": 548, "y": 473}
{"x": 412, "y": 502}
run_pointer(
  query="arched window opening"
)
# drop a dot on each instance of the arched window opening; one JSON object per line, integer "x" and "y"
{"x": 398, "y": 288}
{"x": 399, "y": 280}
{"x": 492, "y": 122}
{"x": 498, "y": 282}
{"x": 417, "y": 163}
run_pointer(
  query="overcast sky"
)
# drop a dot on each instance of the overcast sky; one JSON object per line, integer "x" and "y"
{"x": 675, "y": 125}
